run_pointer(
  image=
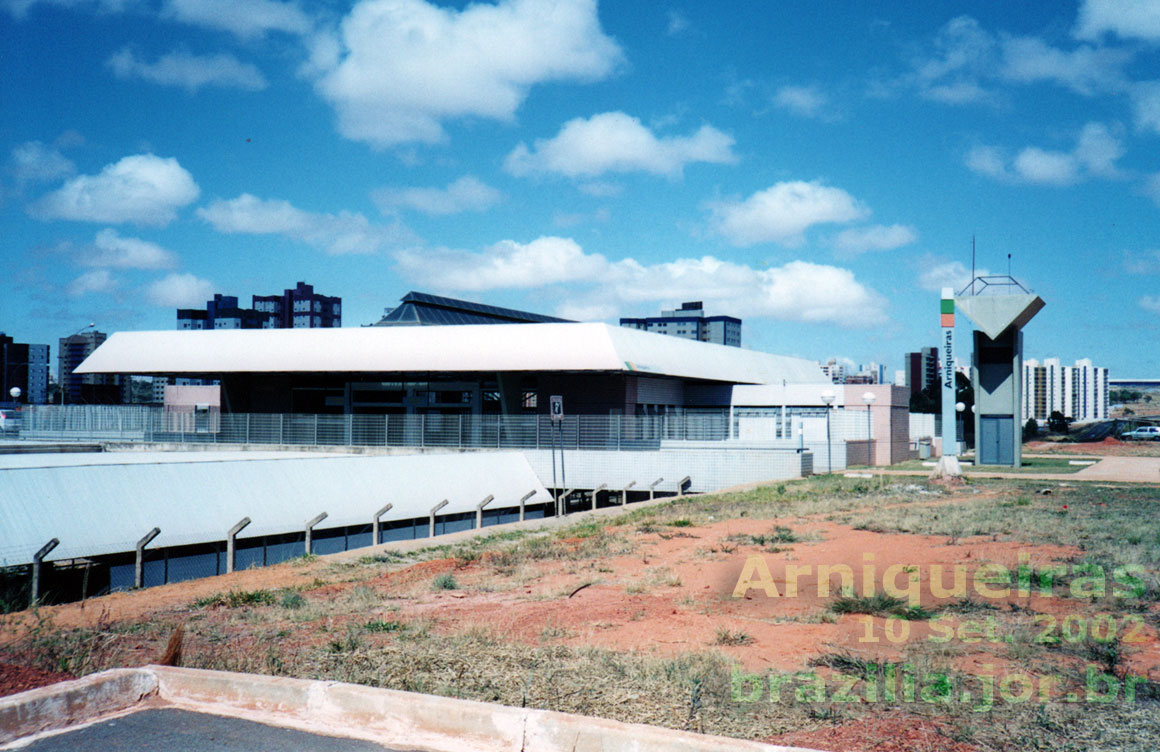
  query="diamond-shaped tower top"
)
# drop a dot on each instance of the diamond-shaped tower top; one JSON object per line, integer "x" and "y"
{"x": 995, "y": 314}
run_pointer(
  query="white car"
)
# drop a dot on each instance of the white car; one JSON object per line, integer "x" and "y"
{"x": 9, "y": 421}
{"x": 1143, "y": 433}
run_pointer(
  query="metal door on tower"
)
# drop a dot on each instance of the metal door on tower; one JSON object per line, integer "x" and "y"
{"x": 996, "y": 443}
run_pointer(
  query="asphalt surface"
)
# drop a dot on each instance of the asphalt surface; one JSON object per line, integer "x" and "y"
{"x": 172, "y": 730}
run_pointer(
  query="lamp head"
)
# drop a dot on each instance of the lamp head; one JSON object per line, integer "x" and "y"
{"x": 869, "y": 398}
{"x": 959, "y": 407}
{"x": 828, "y": 397}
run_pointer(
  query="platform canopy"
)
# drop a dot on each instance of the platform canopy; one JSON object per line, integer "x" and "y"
{"x": 563, "y": 347}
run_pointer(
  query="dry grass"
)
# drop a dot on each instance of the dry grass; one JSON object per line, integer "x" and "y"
{"x": 353, "y": 633}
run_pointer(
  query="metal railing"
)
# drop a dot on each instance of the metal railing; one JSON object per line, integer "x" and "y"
{"x": 138, "y": 423}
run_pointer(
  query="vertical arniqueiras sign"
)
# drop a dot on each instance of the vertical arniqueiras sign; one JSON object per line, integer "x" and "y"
{"x": 947, "y": 322}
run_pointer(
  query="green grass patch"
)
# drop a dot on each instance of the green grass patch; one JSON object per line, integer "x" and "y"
{"x": 237, "y": 599}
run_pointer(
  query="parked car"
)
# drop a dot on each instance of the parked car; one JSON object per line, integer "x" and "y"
{"x": 1143, "y": 433}
{"x": 9, "y": 422}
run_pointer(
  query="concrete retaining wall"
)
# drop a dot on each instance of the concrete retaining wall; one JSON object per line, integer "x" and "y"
{"x": 403, "y": 719}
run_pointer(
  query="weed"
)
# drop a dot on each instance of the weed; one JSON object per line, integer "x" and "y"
{"x": 847, "y": 663}
{"x": 879, "y": 604}
{"x": 968, "y": 606}
{"x": 290, "y": 599}
{"x": 732, "y": 637}
{"x": 683, "y": 522}
{"x": 236, "y": 599}
{"x": 379, "y": 625}
{"x": 445, "y": 581}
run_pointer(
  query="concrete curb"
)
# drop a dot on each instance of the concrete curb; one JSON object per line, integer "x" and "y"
{"x": 61, "y": 706}
{"x": 401, "y": 719}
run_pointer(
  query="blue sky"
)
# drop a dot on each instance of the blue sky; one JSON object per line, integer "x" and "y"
{"x": 818, "y": 169}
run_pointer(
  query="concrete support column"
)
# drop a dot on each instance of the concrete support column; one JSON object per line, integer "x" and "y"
{"x": 310, "y": 530}
{"x": 139, "y": 566}
{"x": 597, "y": 491}
{"x": 230, "y": 542}
{"x": 652, "y": 488}
{"x": 624, "y": 493}
{"x": 479, "y": 511}
{"x": 681, "y": 485}
{"x": 524, "y": 500}
{"x": 435, "y": 509}
{"x": 375, "y": 525}
{"x": 37, "y": 558}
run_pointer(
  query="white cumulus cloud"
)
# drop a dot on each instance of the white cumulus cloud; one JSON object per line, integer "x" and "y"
{"x": 1096, "y": 151}
{"x": 937, "y": 274}
{"x": 804, "y": 101}
{"x": 345, "y": 232}
{"x": 507, "y": 264}
{"x": 113, "y": 250}
{"x": 1146, "y": 105}
{"x": 1152, "y": 187}
{"x": 875, "y": 238}
{"x": 1129, "y": 19}
{"x": 243, "y": 18}
{"x": 1085, "y": 70}
{"x": 783, "y": 212}
{"x": 468, "y": 193}
{"x": 96, "y": 281}
{"x": 1150, "y": 303}
{"x": 35, "y": 162}
{"x": 189, "y": 71}
{"x": 616, "y": 142}
{"x": 398, "y": 68}
{"x": 798, "y": 291}
{"x": 179, "y": 291}
{"x": 142, "y": 188}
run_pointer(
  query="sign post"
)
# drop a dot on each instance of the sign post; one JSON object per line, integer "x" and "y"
{"x": 947, "y": 356}
{"x": 556, "y": 412}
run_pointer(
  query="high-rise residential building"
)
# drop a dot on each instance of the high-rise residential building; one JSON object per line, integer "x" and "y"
{"x": 689, "y": 321}
{"x": 921, "y": 369}
{"x": 1079, "y": 391}
{"x": 834, "y": 370}
{"x": 24, "y": 367}
{"x": 870, "y": 373}
{"x": 299, "y": 308}
{"x": 90, "y": 388}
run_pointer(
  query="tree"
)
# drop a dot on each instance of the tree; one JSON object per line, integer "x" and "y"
{"x": 1056, "y": 422}
{"x": 929, "y": 400}
{"x": 1030, "y": 429}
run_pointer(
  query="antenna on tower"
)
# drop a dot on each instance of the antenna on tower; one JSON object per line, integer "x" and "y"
{"x": 1008, "y": 264}
{"x": 972, "y": 264}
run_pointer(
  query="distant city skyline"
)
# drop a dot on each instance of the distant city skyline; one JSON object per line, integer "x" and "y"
{"x": 817, "y": 170}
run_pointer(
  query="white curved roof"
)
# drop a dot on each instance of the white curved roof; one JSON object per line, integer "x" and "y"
{"x": 509, "y": 347}
{"x": 103, "y": 503}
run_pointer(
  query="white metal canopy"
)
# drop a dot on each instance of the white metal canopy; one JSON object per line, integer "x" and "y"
{"x": 450, "y": 349}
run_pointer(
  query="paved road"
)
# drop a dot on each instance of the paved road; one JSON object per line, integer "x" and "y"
{"x": 172, "y": 730}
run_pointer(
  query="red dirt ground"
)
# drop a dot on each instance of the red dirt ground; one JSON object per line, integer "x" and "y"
{"x": 674, "y": 594}
{"x": 15, "y": 679}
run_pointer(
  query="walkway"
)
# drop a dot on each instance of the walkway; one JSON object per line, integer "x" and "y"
{"x": 1114, "y": 469}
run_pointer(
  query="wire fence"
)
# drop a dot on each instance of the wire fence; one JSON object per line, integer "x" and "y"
{"x": 598, "y": 432}
{"x": 138, "y": 423}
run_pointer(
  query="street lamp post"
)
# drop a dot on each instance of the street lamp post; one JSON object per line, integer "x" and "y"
{"x": 869, "y": 398}
{"x": 77, "y": 333}
{"x": 828, "y": 397}
{"x": 960, "y": 433}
